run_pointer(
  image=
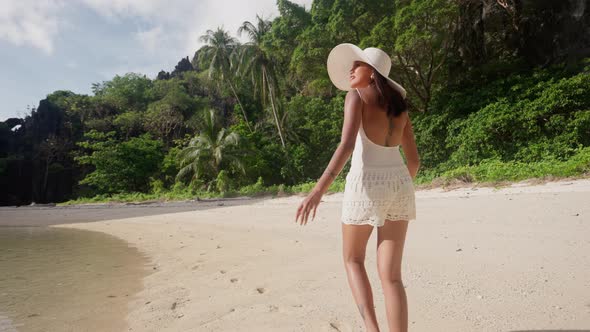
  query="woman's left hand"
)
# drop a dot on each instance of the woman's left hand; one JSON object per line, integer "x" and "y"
{"x": 310, "y": 203}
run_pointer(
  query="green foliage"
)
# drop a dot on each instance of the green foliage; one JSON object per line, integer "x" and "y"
{"x": 129, "y": 123}
{"x": 551, "y": 122}
{"x": 256, "y": 63}
{"x": 120, "y": 167}
{"x": 490, "y": 113}
{"x": 423, "y": 25}
{"x": 157, "y": 186}
{"x": 419, "y": 38}
{"x": 332, "y": 22}
{"x": 256, "y": 188}
{"x": 210, "y": 152}
{"x": 319, "y": 124}
{"x": 220, "y": 53}
{"x": 280, "y": 41}
{"x": 222, "y": 182}
{"x": 307, "y": 61}
{"x": 526, "y": 117}
{"x": 262, "y": 157}
{"x": 125, "y": 92}
{"x": 165, "y": 117}
{"x": 495, "y": 170}
{"x": 171, "y": 162}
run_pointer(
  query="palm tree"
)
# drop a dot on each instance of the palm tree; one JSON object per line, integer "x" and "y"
{"x": 219, "y": 49}
{"x": 255, "y": 61}
{"x": 210, "y": 152}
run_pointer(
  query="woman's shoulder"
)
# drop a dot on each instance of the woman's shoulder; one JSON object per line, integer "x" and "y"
{"x": 353, "y": 95}
{"x": 353, "y": 100}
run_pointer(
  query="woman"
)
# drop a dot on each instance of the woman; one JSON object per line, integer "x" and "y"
{"x": 379, "y": 191}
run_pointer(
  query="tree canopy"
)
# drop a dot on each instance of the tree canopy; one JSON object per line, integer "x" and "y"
{"x": 490, "y": 83}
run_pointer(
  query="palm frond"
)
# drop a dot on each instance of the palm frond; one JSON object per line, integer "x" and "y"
{"x": 232, "y": 139}
{"x": 235, "y": 161}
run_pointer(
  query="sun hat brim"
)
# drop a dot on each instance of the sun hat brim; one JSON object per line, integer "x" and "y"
{"x": 340, "y": 61}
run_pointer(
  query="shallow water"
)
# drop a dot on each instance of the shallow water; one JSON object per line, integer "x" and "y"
{"x": 55, "y": 279}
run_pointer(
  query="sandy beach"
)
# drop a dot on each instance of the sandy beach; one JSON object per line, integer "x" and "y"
{"x": 476, "y": 259}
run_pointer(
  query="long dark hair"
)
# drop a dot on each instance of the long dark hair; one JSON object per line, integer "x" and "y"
{"x": 389, "y": 97}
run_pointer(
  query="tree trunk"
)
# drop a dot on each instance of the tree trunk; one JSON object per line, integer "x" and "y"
{"x": 470, "y": 33}
{"x": 241, "y": 107}
{"x": 274, "y": 111}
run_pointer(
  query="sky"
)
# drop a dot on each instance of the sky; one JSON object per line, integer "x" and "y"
{"x": 49, "y": 45}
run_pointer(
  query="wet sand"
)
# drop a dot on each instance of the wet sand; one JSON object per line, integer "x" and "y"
{"x": 57, "y": 279}
{"x": 476, "y": 259}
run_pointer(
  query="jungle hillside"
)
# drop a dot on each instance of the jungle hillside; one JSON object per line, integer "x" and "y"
{"x": 498, "y": 90}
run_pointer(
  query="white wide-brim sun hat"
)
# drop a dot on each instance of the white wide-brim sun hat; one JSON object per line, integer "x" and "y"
{"x": 342, "y": 57}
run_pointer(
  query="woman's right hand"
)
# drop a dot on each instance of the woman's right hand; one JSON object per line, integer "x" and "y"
{"x": 310, "y": 203}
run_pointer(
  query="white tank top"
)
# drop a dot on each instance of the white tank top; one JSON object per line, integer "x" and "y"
{"x": 368, "y": 154}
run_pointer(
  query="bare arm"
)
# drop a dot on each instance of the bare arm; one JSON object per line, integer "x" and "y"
{"x": 410, "y": 148}
{"x": 350, "y": 128}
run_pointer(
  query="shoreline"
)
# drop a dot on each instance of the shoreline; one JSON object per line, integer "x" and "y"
{"x": 34, "y": 216}
{"x": 479, "y": 266}
{"x": 443, "y": 186}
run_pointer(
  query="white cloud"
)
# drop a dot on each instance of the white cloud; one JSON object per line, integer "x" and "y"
{"x": 230, "y": 14}
{"x": 180, "y": 23}
{"x": 150, "y": 70}
{"x": 177, "y": 24}
{"x": 30, "y": 22}
{"x": 156, "y": 10}
{"x": 152, "y": 38}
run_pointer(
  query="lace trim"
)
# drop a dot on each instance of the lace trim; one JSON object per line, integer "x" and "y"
{"x": 398, "y": 202}
{"x": 378, "y": 221}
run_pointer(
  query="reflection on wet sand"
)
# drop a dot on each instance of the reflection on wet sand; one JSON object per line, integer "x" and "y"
{"x": 55, "y": 279}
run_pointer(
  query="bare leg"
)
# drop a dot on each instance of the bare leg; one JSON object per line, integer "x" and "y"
{"x": 390, "y": 246}
{"x": 355, "y": 238}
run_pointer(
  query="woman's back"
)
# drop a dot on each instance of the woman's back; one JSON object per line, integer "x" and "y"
{"x": 376, "y": 125}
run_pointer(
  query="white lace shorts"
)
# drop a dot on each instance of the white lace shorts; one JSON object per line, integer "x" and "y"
{"x": 373, "y": 195}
